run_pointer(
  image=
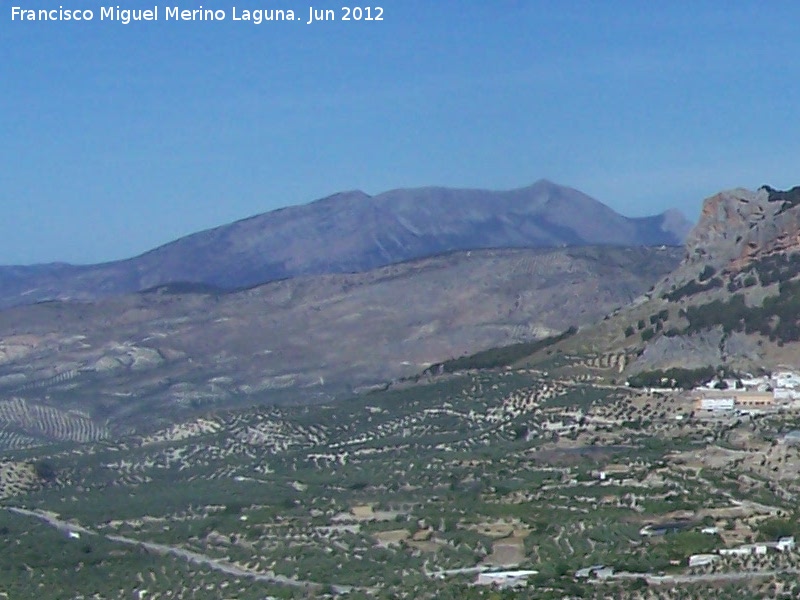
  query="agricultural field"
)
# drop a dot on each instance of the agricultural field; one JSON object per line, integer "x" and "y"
{"x": 411, "y": 493}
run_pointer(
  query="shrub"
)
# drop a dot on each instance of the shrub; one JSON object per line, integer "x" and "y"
{"x": 45, "y": 470}
{"x": 498, "y": 357}
{"x": 707, "y": 273}
{"x": 692, "y": 288}
{"x": 675, "y": 377}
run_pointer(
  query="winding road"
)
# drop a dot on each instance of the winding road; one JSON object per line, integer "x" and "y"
{"x": 189, "y": 555}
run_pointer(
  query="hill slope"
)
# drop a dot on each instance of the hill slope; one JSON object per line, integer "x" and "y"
{"x": 143, "y": 357}
{"x": 352, "y": 232}
{"x": 734, "y": 300}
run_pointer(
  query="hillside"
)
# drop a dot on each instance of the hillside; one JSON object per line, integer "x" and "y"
{"x": 411, "y": 493}
{"x": 352, "y": 232}
{"x": 142, "y": 358}
{"x": 734, "y": 301}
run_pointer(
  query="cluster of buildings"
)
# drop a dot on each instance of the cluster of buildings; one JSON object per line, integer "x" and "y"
{"x": 784, "y": 544}
{"x": 779, "y": 390}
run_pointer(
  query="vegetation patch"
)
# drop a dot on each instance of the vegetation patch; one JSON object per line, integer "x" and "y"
{"x": 788, "y": 198}
{"x": 692, "y": 288}
{"x": 672, "y": 378}
{"x": 498, "y": 357}
{"x": 777, "y": 318}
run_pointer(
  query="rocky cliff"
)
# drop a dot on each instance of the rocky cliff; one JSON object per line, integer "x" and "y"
{"x": 736, "y": 229}
{"x": 733, "y": 301}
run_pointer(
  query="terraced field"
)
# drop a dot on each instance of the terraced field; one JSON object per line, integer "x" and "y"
{"x": 24, "y": 424}
{"x": 406, "y": 493}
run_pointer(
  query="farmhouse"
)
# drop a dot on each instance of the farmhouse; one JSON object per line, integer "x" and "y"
{"x": 785, "y": 544}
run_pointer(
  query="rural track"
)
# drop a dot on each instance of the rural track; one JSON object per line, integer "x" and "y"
{"x": 193, "y": 557}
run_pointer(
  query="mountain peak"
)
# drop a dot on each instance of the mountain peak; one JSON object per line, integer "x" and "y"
{"x": 344, "y": 197}
{"x": 352, "y": 232}
{"x": 545, "y": 183}
{"x": 675, "y": 222}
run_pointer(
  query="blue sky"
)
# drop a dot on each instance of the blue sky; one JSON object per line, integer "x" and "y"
{"x": 115, "y": 139}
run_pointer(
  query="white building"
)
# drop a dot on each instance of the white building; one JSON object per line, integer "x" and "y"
{"x": 717, "y": 403}
{"x": 740, "y": 551}
{"x": 598, "y": 571}
{"x": 700, "y": 560}
{"x": 505, "y": 579}
{"x": 786, "y": 380}
{"x": 759, "y": 384}
{"x": 785, "y": 544}
{"x": 745, "y": 550}
{"x": 786, "y": 395}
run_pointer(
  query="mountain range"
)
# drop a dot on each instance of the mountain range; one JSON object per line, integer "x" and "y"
{"x": 352, "y": 232}
{"x": 313, "y": 302}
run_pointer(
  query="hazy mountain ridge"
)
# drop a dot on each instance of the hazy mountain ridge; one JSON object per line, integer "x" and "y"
{"x": 352, "y": 232}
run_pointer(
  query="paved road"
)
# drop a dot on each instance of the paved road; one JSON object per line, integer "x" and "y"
{"x": 193, "y": 557}
{"x": 702, "y": 578}
{"x": 218, "y": 564}
{"x": 462, "y": 571}
{"x": 715, "y": 577}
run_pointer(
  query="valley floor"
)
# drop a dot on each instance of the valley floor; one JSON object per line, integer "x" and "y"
{"x": 546, "y": 481}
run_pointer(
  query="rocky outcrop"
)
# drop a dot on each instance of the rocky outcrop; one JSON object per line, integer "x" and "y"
{"x": 736, "y": 228}
{"x": 736, "y": 288}
{"x": 712, "y": 347}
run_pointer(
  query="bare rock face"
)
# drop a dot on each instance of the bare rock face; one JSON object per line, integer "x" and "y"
{"x": 737, "y": 227}
{"x": 733, "y": 299}
{"x": 725, "y": 221}
{"x": 712, "y": 347}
